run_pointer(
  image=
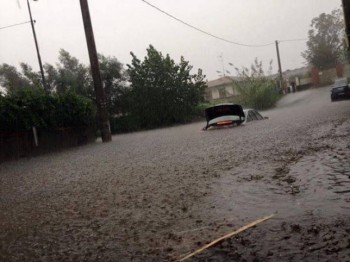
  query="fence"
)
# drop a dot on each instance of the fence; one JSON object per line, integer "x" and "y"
{"x": 22, "y": 144}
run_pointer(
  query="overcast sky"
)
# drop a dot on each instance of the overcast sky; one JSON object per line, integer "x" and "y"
{"x": 122, "y": 26}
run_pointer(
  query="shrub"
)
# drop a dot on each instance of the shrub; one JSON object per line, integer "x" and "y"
{"x": 255, "y": 89}
{"x": 199, "y": 110}
{"x": 123, "y": 124}
{"x": 259, "y": 94}
{"x": 26, "y": 108}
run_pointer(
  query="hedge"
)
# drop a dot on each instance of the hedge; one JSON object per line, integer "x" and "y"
{"x": 27, "y": 108}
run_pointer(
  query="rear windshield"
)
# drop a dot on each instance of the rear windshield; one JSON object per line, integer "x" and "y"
{"x": 223, "y": 110}
{"x": 341, "y": 82}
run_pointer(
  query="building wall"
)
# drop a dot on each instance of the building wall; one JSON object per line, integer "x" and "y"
{"x": 229, "y": 90}
{"x": 346, "y": 70}
{"x": 219, "y": 92}
{"x": 327, "y": 76}
{"x": 215, "y": 94}
{"x": 305, "y": 81}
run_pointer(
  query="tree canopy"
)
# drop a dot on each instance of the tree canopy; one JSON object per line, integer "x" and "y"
{"x": 11, "y": 79}
{"x": 162, "y": 91}
{"x": 150, "y": 93}
{"x": 69, "y": 75}
{"x": 325, "y": 45}
{"x": 114, "y": 80}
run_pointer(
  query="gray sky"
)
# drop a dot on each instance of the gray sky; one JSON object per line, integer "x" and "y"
{"x": 121, "y": 26}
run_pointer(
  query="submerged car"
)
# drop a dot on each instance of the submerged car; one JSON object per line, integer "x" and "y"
{"x": 227, "y": 114}
{"x": 340, "y": 89}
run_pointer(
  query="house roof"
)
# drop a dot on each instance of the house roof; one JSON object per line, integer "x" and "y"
{"x": 293, "y": 72}
{"x": 296, "y": 72}
{"x": 220, "y": 81}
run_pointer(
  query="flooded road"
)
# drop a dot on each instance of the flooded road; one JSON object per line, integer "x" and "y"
{"x": 160, "y": 194}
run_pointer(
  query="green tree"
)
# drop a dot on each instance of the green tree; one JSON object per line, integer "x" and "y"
{"x": 69, "y": 75}
{"x": 114, "y": 80}
{"x": 52, "y": 77}
{"x": 163, "y": 92}
{"x": 11, "y": 79}
{"x": 72, "y": 75}
{"x": 256, "y": 90}
{"x": 325, "y": 45}
{"x": 33, "y": 77}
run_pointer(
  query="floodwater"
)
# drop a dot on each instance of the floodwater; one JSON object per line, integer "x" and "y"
{"x": 159, "y": 195}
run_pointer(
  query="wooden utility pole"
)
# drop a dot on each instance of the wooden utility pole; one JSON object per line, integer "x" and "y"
{"x": 279, "y": 65}
{"x": 37, "y": 48}
{"x": 95, "y": 69}
{"x": 346, "y": 9}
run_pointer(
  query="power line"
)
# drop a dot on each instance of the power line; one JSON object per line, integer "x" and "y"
{"x": 202, "y": 31}
{"x": 15, "y": 25}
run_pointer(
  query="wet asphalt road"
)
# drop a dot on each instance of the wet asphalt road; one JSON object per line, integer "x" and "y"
{"x": 160, "y": 194}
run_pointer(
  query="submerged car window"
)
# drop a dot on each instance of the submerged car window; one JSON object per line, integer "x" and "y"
{"x": 252, "y": 116}
{"x": 258, "y": 116}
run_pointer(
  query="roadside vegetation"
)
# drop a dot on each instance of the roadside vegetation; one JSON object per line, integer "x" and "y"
{"x": 163, "y": 92}
{"x": 26, "y": 108}
{"x": 256, "y": 89}
{"x": 147, "y": 94}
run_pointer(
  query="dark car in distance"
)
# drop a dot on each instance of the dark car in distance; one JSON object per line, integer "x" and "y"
{"x": 340, "y": 89}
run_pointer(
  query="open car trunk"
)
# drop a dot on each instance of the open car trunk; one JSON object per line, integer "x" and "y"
{"x": 224, "y": 114}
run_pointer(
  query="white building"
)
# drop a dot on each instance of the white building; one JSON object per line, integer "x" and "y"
{"x": 220, "y": 88}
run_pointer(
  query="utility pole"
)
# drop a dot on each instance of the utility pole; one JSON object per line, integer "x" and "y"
{"x": 37, "y": 48}
{"x": 279, "y": 65}
{"x": 95, "y": 69}
{"x": 346, "y": 9}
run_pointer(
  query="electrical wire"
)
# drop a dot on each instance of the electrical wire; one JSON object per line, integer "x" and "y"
{"x": 202, "y": 31}
{"x": 15, "y": 25}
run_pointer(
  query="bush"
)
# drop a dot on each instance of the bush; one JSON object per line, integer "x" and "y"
{"x": 255, "y": 89}
{"x": 26, "y": 108}
{"x": 124, "y": 124}
{"x": 258, "y": 94}
{"x": 199, "y": 110}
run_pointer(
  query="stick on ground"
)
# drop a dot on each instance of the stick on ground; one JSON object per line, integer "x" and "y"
{"x": 225, "y": 237}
